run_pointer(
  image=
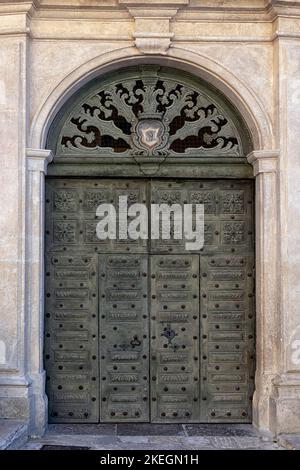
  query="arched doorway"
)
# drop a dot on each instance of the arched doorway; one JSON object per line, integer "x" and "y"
{"x": 144, "y": 330}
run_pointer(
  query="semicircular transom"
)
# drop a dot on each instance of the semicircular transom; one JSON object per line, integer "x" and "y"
{"x": 149, "y": 111}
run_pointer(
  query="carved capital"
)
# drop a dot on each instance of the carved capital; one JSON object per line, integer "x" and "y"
{"x": 153, "y": 43}
{"x": 263, "y": 161}
{"x": 38, "y": 159}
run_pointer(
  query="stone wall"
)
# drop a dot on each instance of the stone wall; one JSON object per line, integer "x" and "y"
{"x": 250, "y": 50}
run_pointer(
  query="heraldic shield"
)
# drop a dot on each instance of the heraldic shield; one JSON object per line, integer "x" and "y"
{"x": 150, "y": 133}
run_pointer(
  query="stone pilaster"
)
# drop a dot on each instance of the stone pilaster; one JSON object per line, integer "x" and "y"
{"x": 14, "y": 57}
{"x": 37, "y": 162}
{"x": 265, "y": 164}
{"x": 285, "y": 401}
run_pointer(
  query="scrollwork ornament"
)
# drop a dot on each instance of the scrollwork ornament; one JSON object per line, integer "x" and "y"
{"x": 150, "y": 116}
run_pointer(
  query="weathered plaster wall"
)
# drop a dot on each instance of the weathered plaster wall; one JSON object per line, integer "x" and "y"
{"x": 13, "y": 56}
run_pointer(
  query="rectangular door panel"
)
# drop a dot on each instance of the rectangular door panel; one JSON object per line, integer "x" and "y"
{"x": 71, "y": 206}
{"x": 227, "y": 347}
{"x": 228, "y": 213}
{"x": 174, "y": 338}
{"x": 71, "y": 338}
{"x": 124, "y": 338}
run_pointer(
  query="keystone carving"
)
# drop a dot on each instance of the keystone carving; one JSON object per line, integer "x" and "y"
{"x": 152, "y": 25}
{"x": 151, "y": 43}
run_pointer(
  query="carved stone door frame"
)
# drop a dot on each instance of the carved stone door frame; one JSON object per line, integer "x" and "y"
{"x": 265, "y": 171}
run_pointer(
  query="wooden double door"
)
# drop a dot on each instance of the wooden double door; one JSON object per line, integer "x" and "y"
{"x": 143, "y": 330}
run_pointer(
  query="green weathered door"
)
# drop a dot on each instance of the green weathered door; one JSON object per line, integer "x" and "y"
{"x": 80, "y": 375}
{"x": 209, "y": 321}
{"x": 144, "y": 330}
{"x": 124, "y": 338}
{"x": 175, "y": 372}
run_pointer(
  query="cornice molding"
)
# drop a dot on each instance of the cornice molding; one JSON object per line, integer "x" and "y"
{"x": 283, "y": 8}
{"x": 153, "y": 20}
{"x": 153, "y": 13}
{"x": 154, "y": 3}
{"x": 16, "y": 7}
{"x": 279, "y": 4}
{"x": 205, "y": 8}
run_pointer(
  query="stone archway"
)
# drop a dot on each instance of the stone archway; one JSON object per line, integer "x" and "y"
{"x": 201, "y": 66}
{"x": 156, "y": 122}
{"x": 265, "y": 169}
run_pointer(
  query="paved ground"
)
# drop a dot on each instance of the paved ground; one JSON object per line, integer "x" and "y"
{"x": 13, "y": 434}
{"x": 152, "y": 437}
